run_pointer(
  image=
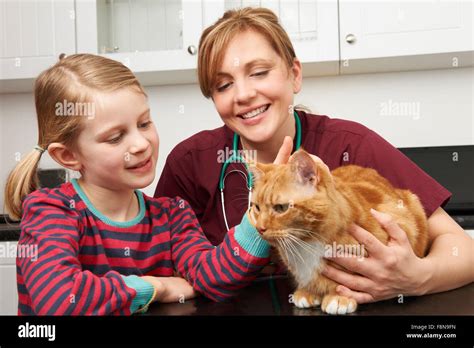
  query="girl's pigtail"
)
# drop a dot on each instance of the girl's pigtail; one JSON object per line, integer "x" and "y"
{"x": 22, "y": 181}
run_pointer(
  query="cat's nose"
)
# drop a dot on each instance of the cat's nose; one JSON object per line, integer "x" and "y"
{"x": 261, "y": 230}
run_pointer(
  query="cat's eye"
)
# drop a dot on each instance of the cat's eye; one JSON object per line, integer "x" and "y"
{"x": 280, "y": 208}
{"x": 257, "y": 208}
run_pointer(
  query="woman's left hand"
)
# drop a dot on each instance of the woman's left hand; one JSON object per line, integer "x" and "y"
{"x": 390, "y": 270}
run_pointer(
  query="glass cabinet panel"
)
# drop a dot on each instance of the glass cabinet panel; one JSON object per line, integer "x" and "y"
{"x": 139, "y": 25}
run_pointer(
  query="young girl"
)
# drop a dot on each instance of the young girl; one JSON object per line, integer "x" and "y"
{"x": 104, "y": 247}
{"x": 249, "y": 69}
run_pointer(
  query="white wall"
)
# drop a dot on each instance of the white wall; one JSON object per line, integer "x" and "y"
{"x": 440, "y": 111}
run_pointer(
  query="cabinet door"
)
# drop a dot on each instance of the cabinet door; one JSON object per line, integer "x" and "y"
{"x": 33, "y": 34}
{"x": 312, "y": 26}
{"x": 147, "y": 36}
{"x": 8, "y": 289}
{"x": 371, "y": 29}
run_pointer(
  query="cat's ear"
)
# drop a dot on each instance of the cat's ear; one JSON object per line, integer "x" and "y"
{"x": 258, "y": 170}
{"x": 304, "y": 167}
{"x": 255, "y": 172}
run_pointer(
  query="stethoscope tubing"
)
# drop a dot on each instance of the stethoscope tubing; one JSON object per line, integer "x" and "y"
{"x": 249, "y": 179}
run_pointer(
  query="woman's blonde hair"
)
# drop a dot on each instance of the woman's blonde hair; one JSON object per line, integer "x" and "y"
{"x": 215, "y": 39}
{"x": 73, "y": 79}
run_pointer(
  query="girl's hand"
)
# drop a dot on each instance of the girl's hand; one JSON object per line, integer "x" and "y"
{"x": 171, "y": 289}
{"x": 390, "y": 270}
{"x": 272, "y": 267}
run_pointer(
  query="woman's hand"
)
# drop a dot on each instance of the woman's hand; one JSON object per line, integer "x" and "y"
{"x": 170, "y": 289}
{"x": 284, "y": 154}
{"x": 390, "y": 270}
{"x": 285, "y": 151}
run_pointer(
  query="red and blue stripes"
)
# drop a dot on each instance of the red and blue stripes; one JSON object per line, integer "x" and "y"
{"x": 81, "y": 259}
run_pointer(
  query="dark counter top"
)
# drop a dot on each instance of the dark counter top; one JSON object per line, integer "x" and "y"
{"x": 9, "y": 234}
{"x": 9, "y": 231}
{"x": 270, "y": 296}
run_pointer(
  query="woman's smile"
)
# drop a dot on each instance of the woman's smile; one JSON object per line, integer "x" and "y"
{"x": 255, "y": 116}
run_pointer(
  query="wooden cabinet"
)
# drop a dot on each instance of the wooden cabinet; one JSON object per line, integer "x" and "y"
{"x": 33, "y": 34}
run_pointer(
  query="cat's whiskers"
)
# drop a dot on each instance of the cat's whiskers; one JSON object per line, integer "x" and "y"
{"x": 304, "y": 245}
{"x": 285, "y": 245}
{"x": 301, "y": 243}
{"x": 281, "y": 244}
{"x": 309, "y": 233}
{"x": 312, "y": 253}
{"x": 293, "y": 250}
{"x": 240, "y": 203}
{"x": 293, "y": 264}
{"x": 243, "y": 195}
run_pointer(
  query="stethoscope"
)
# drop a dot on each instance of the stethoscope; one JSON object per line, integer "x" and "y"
{"x": 235, "y": 158}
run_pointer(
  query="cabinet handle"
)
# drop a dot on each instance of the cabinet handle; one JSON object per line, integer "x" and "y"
{"x": 350, "y": 38}
{"x": 192, "y": 50}
{"x": 62, "y": 55}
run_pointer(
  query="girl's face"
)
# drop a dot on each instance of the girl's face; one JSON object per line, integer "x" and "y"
{"x": 118, "y": 148}
{"x": 254, "y": 89}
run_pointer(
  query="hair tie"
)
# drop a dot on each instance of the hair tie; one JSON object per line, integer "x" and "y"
{"x": 40, "y": 149}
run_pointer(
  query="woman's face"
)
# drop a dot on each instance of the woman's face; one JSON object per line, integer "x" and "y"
{"x": 254, "y": 89}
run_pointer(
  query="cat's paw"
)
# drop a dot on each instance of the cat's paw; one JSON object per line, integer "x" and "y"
{"x": 335, "y": 304}
{"x": 305, "y": 299}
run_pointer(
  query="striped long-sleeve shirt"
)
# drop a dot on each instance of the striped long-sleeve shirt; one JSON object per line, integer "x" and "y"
{"x": 83, "y": 263}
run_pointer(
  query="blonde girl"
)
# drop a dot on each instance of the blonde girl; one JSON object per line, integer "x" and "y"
{"x": 102, "y": 246}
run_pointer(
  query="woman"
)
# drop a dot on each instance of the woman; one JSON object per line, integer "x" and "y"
{"x": 248, "y": 67}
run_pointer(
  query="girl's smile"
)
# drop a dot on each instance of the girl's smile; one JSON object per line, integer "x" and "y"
{"x": 142, "y": 167}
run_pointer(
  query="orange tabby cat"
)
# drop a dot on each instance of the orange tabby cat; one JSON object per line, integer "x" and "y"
{"x": 304, "y": 210}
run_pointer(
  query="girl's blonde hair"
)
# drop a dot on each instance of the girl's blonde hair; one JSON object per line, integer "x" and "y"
{"x": 73, "y": 79}
{"x": 215, "y": 39}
